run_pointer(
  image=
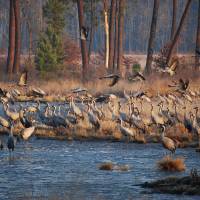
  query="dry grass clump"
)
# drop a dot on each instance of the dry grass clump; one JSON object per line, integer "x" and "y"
{"x": 81, "y": 133}
{"x": 140, "y": 138}
{"x": 109, "y": 166}
{"x": 158, "y": 86}
{"x": 108, "y": 127}
{"x": 170, "y": 164}
{"x": 122, "y": 168}
{"x": 180, "y": 133}
{"x": 117, "y": 135}
{"x": 106, "y": 166}
{"x": 45, "y": 133}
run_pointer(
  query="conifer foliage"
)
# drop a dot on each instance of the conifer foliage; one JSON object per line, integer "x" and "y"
{"x": 50, "y": 52}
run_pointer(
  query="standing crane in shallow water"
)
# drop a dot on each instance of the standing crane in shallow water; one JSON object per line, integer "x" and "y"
{"x": 11, "y": 142}
{"x": 167, "y": 142}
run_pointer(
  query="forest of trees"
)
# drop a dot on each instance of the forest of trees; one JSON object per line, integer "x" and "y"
{"x": 115, "y": 27}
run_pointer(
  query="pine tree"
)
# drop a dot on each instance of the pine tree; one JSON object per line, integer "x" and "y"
{"x": 50, "y": 52}
{"x": 53, "y": 12}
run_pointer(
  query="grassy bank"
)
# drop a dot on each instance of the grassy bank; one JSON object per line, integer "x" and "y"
{"x": 188, "y": 185}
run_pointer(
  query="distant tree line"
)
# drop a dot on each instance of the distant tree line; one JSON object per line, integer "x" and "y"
{"x": 93, "y": 17}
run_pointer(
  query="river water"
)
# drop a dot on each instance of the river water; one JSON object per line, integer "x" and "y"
{"x": 50, "y": 169}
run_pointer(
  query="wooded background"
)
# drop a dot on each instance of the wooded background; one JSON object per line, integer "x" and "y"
{"x": 138, "y": 16}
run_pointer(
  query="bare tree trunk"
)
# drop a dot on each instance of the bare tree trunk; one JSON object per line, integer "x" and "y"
{"x": 197, "y": 58}
{"x": 11, "y": 47}
{"x": 152, "y": 36}
{"x": 120, "y": 34}
{"x": 17, "y": 36}
{"x": 30, "y": 40}
{"x": 30, "y": 47}
{"x": 106, "y": 32}
{"x": 177, "y": 34}
{"x": 91, "y": 30}
{"x": 174, "y": 14}
{"x": 116, "y": 36}
{"x": 83, "y": 42}
{"x": 111, "y": 34}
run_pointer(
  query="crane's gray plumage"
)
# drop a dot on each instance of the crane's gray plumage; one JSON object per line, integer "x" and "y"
{"x": 114, "y": 79}
{"x": 167, "y": 142}
{"x": 11, "y": 142}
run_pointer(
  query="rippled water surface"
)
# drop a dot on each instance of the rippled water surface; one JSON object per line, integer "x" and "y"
{"x": 50, "y": 169}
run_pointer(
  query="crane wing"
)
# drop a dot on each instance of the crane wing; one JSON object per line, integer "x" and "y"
{"x": 141, "y": 76}
{"x": 174, "y": 65}
{"x": 108, "y": 76}
{"x": 23, "y": 79}
{"x": 114, "y": 81}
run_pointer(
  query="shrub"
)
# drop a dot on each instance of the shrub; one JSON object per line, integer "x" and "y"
{"x": 109, "y": 166}
{"x": 136, "y": 67}
{"x": 106, "y": 166}
{"x": 170, "y": 164}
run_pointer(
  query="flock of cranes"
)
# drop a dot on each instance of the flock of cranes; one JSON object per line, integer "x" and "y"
{"x": 129, "y": 114}
{"x": 81, "y": 107}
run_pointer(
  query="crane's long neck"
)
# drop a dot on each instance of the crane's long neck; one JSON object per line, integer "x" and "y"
{"x": 141, "y": 105}
{"x": 163, "y": 134}
{"x": 196, "y": 112}
{"x": 129, "y": 109}
{"x": 151, "y": 109}
{"x": 11, "y": 131}
{"x": 175, "y": 110}
{"x": 110, "y": 107}
{"x": 71, "y": 104}
{"x": 160, "y": 109}
{"x": 89, "y": 107}
{"x": 72, "y": 100}
{"x": 46, "y": 111}
{"x": 59, "y": 110}
{"x": 95, "y": 106}
{"x": 38, "y": 106}
{"x": 121, "y": 122}
{"x": 54, "y": 110}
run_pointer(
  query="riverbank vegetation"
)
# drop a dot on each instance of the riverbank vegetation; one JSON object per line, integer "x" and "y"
{"x": 188, "y": 185}
{"x": 169, "y": 163}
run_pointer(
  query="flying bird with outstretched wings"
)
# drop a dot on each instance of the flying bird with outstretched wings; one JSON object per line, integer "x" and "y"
{"x": 2, "y": 92}
{"x": 171, "y": 70}
{"x": 114, "y": 79}
{"x": 23, "y": 78}
{"x": 181, "y": 86}
{"x": 137, "y": 76}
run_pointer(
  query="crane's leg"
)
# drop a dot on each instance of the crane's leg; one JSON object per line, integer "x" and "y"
{"x": 9, "y": 154}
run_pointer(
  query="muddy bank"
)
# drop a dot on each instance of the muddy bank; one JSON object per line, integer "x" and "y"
{"x": 188, "y": 185}
{"x": 106, "y": 133}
